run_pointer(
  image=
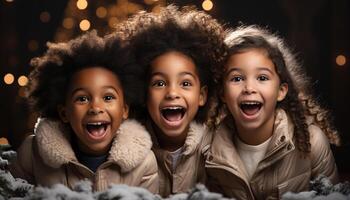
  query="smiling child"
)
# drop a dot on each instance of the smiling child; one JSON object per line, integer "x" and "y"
{"x": 81, "y": 96}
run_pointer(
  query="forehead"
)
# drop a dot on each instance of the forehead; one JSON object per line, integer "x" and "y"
{"x": 173, "y": 62}
{"x": 94, "y": 76}
{"x": 250, "y": 59}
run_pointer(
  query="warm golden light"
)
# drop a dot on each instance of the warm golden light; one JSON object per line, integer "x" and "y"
{"x": 9, "y": 78}
{"x": 22, "y": 80}
{"x": 68, "y": 23}
{"x": 340, "y": 60}
{"x": 9, "y": 1}
{"x": 101, "y": 12}
{"x": 4, "y": 141}
{"x": 82, "y": 4}
{"x": 84, "y": 25}
{"x": 112, "y": 22}
{"x": 45, "y": 17}
{"x": 207, "y": 5}
{"x": 33, "y": 45}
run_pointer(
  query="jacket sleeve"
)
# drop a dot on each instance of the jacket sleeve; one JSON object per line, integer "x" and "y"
{"x": 150, "y": 178}
{"x": 322, "y": 159}
{"x": 22, "y": 167}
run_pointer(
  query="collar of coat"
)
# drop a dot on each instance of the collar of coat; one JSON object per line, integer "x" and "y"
{"x": 225, "y": 153}
{"x": 130, "y": 146}
{"x": 195, "y": 134}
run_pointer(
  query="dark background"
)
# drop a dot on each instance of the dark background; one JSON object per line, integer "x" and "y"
{"x": 317, "y": 30}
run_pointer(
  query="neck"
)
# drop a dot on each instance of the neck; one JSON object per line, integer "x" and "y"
{"x": 169, "y": 143}
{"x": 256, "y": 136}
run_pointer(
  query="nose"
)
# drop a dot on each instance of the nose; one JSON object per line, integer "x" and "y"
{"x": 172, "y": 93}
{"x": 96, "y": 108}
{"x": 249, "y": 87}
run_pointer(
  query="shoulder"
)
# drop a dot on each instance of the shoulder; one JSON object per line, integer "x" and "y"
{"x": 318, "y": 139}
{"x": 131, "y": 146}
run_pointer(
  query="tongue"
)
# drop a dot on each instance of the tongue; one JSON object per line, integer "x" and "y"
{"x": 250, "y": 110}
{"x": 96, "y": 130}
{"x": 172, "y": 115}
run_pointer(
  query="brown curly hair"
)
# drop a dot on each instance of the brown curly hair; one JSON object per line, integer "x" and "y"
{"x": 51, "y": 74}
{"x": 301, "y": 106}
{"x": 187, "y": 30}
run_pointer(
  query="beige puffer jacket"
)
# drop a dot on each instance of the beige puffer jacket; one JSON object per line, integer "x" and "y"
{"x": 282, "y": 169}
{"x": 190, "y": 168}
{"x": 47, "y": 158}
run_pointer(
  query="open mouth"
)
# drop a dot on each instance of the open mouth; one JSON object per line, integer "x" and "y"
{"x": 250, "y": 107}
{"x": 173, "y": 113}
{"x": 97, "y": 129}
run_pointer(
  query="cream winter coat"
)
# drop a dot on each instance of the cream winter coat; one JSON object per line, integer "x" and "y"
{"x": 47, "y": 158}
{"x": 281, "y": 170}
{"x": 190, "y": 168}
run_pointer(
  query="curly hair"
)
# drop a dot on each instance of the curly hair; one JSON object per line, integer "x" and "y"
{"x": 50, "y": 78}
{"x": 299, "y": 103}
{"x": 187, "y": 30}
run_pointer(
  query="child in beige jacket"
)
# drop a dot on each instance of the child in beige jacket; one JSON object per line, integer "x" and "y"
{"x": 175, "y": 51}
{"x": 81, "y": 94}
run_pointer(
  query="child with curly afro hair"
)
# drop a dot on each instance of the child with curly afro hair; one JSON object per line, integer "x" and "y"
{"x": 272, "y": 136}
{"x": 175, "y": 51}
{"x": 82, "y": 92}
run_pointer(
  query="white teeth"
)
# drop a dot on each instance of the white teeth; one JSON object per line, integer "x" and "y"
{"x": 95, "y": 123}
{"x": 251, "y": 103}
{"x": 173, "y": 108}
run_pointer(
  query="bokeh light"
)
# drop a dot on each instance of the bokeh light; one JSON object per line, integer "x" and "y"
{"x": 9, "y": 78}
{"x": 68, "y": 23}
{"x": 45, "y": 17}
{"x": 101, "y": 12}
{"x": 33, "y": 45}
{"x": 207, "y": 5}
{"x": 82, "y": 4}
{"x": 84, "y": 25}
{"x": 112, "y": 22}
{"x": 22, "y": 80}
{"x": 340, "y": 60}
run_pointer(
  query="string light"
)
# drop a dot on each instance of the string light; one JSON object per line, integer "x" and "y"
{"x": 340, "y": 60}
{"x": 9, "y": 78}
{"x": 84, "y": 25}
{"x": 22, "y": 80}
{"x": 82, "y": 4}
{"x": 207, "y": 5}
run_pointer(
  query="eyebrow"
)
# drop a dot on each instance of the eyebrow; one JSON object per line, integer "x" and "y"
{"x": 104, "y": 87}
{"x": 259, "y": 69}
{"x": 181, "y": 74}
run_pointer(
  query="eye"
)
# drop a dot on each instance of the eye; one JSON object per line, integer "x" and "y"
{"x": 108, "y": 97}
{"x": 236, "y": 79}
{"x": 263, "y": 78}
{"x": 186, "y": 84}
{"x": 158, "y": 83}
{"x": 81, "y": 99}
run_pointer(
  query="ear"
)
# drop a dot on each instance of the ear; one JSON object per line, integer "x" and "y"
{"x": 125, "y": 111}
{"x": 282, "y": 93}
{"x": 203, "y": 95}
{"x": 62, "y": 113}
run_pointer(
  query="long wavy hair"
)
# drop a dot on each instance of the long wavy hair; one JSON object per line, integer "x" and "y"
{"x": 299, "y": 102}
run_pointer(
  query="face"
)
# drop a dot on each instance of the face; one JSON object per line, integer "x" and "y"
{"x": 94, "y": 108}
{"x": 174, "y": 94}
{"x": 252, "y": 89}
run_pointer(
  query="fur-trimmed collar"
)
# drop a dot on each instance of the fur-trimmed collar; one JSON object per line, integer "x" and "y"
{"x": 130, "y": 146}
{"x": 194, "y": 137}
